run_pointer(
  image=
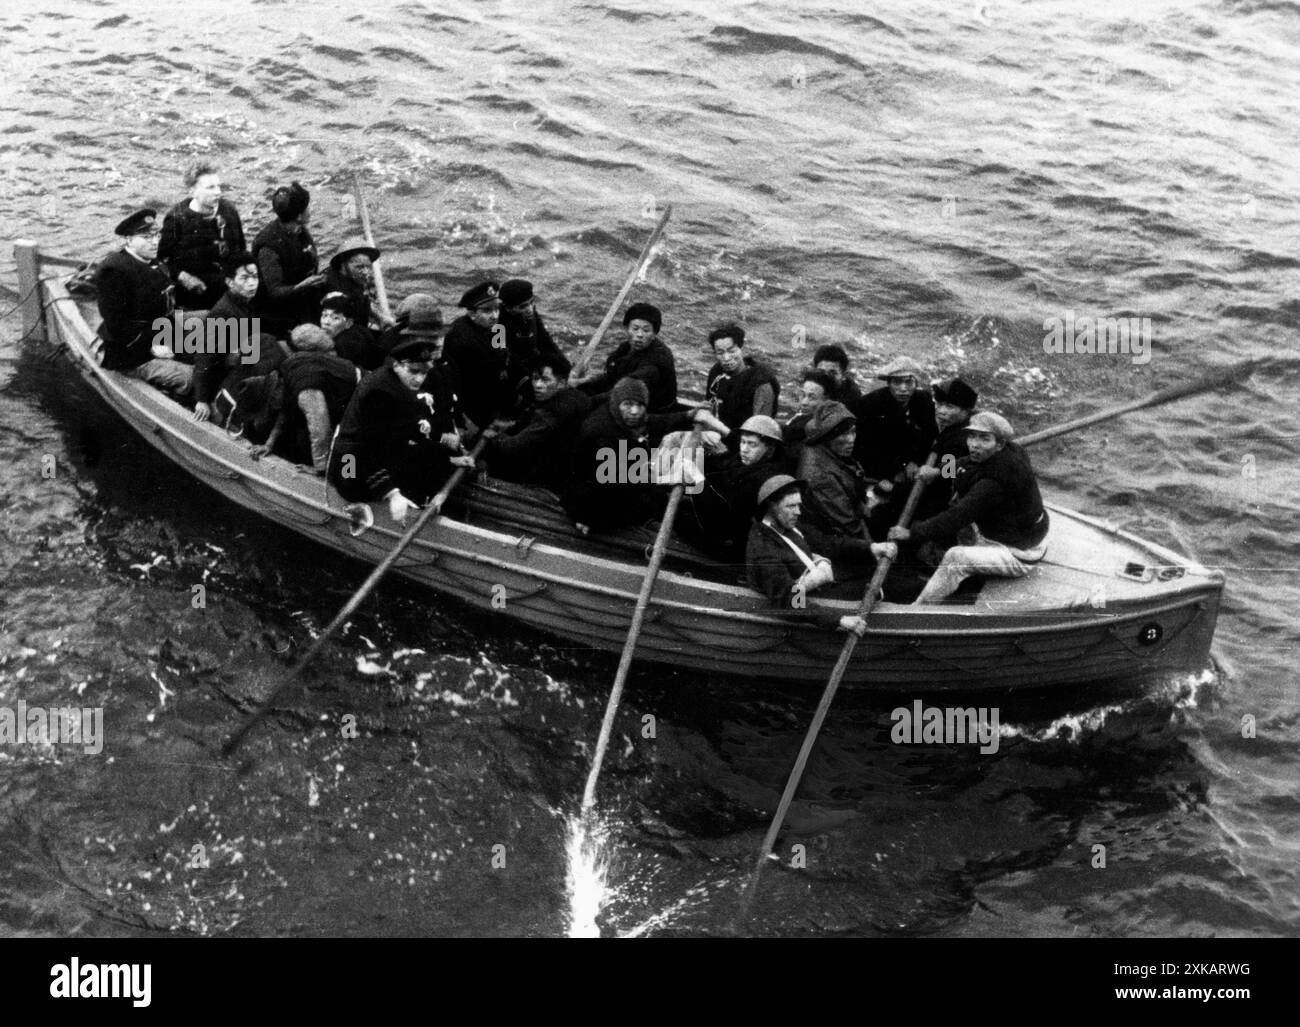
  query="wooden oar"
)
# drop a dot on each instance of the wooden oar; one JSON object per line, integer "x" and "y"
{"x": 1217, "y": 380}
{"x": 363, "y": 212}
{"x": 1228, "y": 376}
{"x": 634, "y": 631}
{"x": 589, "y": 350}
{"x": 869, "y": 601}
{"x": 237, "y": 739}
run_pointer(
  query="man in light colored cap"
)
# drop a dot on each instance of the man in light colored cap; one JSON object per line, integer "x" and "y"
{"x": 895, "y": 427}
{"x": 996, "y": 495}
{"x": 787, "y": 561}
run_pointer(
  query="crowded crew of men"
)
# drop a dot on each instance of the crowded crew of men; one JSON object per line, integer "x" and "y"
{"x": 385, "y": 408}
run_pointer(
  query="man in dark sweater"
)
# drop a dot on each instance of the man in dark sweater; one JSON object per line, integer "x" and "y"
{"x": 476, "y": 348}
{"x": 197, "y": 234}
{"x": 352, "y": 341}
{"x": 738, "y": 386}
{"x": 134, "y": 295}
{"x": 537, "y": 449}
{"x": 643, "y": 356}
{"x": 527, "y": 339}
{"x": 788, "y": 561}
{"x": 234, "y": 347}
{"x": 613, "y": 482}
{"x": 834, "y": 361}
{"x": 996, "y": 494}
{"x": 895, "y": 427}
{"x": 288, "y": 265}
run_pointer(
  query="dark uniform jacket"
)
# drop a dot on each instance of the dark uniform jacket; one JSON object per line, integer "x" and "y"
{"x": 605, "y": 441}
{"x": 526, "y": 340}
{"x": 718, "y": 517}
{"x": 732, "y": 395}
{"x": 392, "y": 435}
{"x": 837, "y": 489}
{"x": 132, "y": 293}
{"x": 950, "y": 448}
{"x": 538, "y": 449}
{"x": 361, "y": 346}
{"x": 892, "y": 436}
{"x": 774, "y": 568}
{"x": 285, "y": 255}
{"x": 1000, "y": 496}
{"x": 481, "y": 369}
{"x": 212, "y": 370}
{"x": 654, "y": 365}
{"x": 197, "y": 243}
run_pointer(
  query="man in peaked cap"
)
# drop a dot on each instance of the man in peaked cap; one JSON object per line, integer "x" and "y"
{"x": 397, "y": 442}
{"x": 476, "y": 348}
{"x": 788, "y": 561}
{"x": 996, "y": 494}
{"x": 895, "y": 426}
{"x": 352, "y": 273}
{"x": 135, "y": 299}
{"x": 527, "y": 339}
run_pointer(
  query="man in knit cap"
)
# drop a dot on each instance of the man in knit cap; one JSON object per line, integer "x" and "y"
{"x": 996, "y": 495}
{"x": 288, "y": 264}
{"x": 643, "y": 356}
{"x": 612, "y": 480}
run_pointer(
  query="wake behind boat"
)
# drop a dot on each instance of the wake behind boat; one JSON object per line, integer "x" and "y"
{"x": 1102, "y": 605}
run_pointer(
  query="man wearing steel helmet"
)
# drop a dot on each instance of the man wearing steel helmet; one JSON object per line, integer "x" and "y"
{"x": 789, "y": 562}
{"x": 718, "y": 517}
{"x": 995, "y": 494}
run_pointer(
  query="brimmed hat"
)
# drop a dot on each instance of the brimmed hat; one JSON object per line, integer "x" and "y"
{"x": 900, "y": 366}
{"x": 516, "y": 291}
{"x": 956, "y": 392}
{"x": 425, "y": 321}
{"x": 995, "y": 424}
{"x": 351, "y": 246}
{"x": 644, "y": 312}
{"x": 416, "y": 301}
{"x": 773, "y": 489}
{"x": 136, "y": 223}
{"x": 764, "y": 427}
{"x": 485, "y": 294}
{"x": 827, "y": 420}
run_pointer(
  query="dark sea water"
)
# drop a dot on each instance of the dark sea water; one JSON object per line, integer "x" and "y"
{"x": 929, "y": 178}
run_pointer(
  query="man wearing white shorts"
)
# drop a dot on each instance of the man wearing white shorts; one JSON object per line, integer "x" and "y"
{"x": 995, "y": 494}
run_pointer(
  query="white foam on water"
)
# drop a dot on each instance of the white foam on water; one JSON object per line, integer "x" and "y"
{"x": 587, "y": 875}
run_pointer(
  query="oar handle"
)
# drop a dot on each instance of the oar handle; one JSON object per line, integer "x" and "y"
{"x": 589, "y": 350}
{"x": 435, "y": 505}
{"x": 634, "y": 630}
{"x": 363, "y": 211}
